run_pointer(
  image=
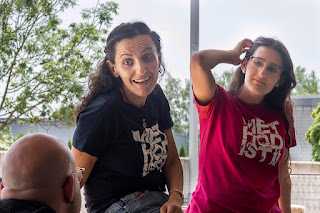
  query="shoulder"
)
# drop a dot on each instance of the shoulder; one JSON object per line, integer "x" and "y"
{"x": 16, "y": 205}
{"x": 222, "y": 102}
{"x": 157, "y": 92}
{"x": 100, "y": 104}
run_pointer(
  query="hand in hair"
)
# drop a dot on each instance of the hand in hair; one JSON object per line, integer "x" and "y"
{"x": 202, "y": 62}
{"x": 241, "y": 48}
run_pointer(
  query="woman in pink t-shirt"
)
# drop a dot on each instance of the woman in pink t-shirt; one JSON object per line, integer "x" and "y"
{"x": 245, "y": 133}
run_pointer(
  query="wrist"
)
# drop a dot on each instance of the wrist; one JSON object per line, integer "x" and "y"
{"x": 177, "y": 192}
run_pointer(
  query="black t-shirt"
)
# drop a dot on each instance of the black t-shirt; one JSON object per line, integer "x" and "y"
{"x": 12, "y": 205}
{"x": 129, "y": 143}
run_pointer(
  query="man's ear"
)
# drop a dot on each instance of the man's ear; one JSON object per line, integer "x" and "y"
{"x": 112, "y": 68}
{"x": 1, "y": 186}
{"x": 244, "y": 64}
{"x": 68, "y": 189}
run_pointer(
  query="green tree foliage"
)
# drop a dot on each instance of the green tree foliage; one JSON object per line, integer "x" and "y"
{"x": 313, "y": 134}
{"x": 307, "y": 84}
{"x": 6, "y": 138}
{"x": 43, "y": 67}
{"x": 182, "y": 152}
{"x": 225, "y": 78}
{"x": 69, "y": 143}
{"x": 178, "y": 97}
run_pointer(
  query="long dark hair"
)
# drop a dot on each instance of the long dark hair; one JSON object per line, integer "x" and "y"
{"x": 102, "y": 79}
{"x": 279, "y": 97}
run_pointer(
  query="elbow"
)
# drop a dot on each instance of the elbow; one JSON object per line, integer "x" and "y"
{"x": 199, "y": 61}
{"x": 197, "y": 58}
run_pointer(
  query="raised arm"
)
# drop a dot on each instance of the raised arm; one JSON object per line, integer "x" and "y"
{"x": 202, "y": 62}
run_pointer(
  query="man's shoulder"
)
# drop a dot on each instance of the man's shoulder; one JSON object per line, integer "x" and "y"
{"x": 28, "y": 206}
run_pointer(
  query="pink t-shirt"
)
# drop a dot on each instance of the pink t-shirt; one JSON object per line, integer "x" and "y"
{"x": 241, "y": 147}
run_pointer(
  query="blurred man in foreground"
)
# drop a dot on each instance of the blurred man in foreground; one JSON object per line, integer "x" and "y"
{"x": 39, "y": 174}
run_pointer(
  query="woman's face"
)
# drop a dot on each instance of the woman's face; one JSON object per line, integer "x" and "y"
{"x": 137, "y": 62}
{"x": 262, "y": 72}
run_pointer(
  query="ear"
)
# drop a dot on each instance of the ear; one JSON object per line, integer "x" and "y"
{"x": 112, "y": 69}
{"x": 159, "y": 58}
{"x": 280, "y": 82}
{"x": 244, "y": 64}
{"x": 1, "y": 186}
{"x": 68, "y": 189}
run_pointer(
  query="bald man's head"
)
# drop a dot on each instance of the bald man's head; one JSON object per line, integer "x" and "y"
{"x": 36, "y": 167}
{"x": 36, "y": 161}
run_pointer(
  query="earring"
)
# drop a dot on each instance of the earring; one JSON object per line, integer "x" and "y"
{"x": 277, "y": 85}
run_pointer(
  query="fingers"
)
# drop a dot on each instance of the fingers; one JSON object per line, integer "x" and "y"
{"x": 245, "y": 45}
{"x": 163, "y": 209}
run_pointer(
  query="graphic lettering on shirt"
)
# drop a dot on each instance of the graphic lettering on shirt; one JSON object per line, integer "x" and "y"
{"x": 259, "y": 137}
{"x": 154, "y": 147}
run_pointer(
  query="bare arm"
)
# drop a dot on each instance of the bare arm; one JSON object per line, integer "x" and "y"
{"x": 86, "y": 161}
{"x": 285, "y": 185}
{"x": 174, "y": 177}
{"x": 202, "y": 62}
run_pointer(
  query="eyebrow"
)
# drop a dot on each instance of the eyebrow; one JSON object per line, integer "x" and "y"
{"x": 145, "y": 50}
{"x": 269, "y": 63}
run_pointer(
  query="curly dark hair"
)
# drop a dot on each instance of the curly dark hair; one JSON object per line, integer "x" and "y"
{"x": 102, "y": 79}
{"x": 279, "y": 97}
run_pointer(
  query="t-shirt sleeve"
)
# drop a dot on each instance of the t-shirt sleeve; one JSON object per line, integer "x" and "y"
{"x": 90, "y": 131}
{"x": 165, "y": 119}
{"x": 205, "y": 111}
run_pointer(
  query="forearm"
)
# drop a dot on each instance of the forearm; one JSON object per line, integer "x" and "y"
{"x": 174, "y": 175}
{"x": 174, "y": 179}
{"x": 285, "y": 196}
{"x": 173, "y": 169}
{"x": 285, "y": 184}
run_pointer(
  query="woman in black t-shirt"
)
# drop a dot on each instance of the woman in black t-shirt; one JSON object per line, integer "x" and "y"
{"x": 123, "y": 137}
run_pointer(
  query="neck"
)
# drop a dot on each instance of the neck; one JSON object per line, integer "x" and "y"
{"x": 135, "y": 101}
{"x": 248, "y": 97}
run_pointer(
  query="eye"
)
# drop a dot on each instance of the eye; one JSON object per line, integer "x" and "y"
{"x": 258, "y": 63}
{"x": 272, "y": 70}
{"x": 148, "y": 57}
{"x": 128, "y": 62}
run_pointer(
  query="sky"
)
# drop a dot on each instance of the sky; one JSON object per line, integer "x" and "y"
{"x": 222, "y": 24}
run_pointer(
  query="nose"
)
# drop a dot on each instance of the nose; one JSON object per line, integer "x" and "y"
{"x": 263, "y": 71}
{"x": 140, "y": 67}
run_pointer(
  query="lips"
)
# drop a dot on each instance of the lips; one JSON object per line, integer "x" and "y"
{"x": 259, "y": 81}
{"x": 141, "y": 81}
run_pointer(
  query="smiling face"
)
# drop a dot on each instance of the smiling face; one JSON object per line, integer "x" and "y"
{"x": 260, "y": 82}
{"x": 137, "y": 63}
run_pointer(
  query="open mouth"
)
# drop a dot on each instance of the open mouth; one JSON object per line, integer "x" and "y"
{"x": 141, "y": 81}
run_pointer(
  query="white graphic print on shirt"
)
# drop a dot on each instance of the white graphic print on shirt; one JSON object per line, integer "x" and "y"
{"x": 154, "y": 147}
{"x": 261, "y": 137}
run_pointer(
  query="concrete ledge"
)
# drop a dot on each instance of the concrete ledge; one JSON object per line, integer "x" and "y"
{"x": 305, "y": 167}
{"x": 305, "y": 100}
